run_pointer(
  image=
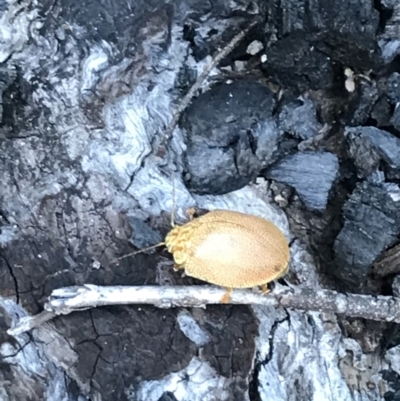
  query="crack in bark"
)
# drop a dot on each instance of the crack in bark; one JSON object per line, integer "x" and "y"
{"x": 254, "y": 394}
{"x": 18, "y": 350}
{"x": 98, "y": 357}
{"x": 63, "y": 229}
{"x": 14, "y": 278}
{"x": 311, "y": 323}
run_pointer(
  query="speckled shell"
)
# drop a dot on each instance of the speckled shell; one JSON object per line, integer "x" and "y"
{"x": 230, "y": 249}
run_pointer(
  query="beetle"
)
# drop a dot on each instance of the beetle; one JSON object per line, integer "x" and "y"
{"x": 229, "y": 249}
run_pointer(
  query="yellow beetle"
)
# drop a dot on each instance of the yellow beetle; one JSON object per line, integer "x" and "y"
{"x": 230, "y": 249}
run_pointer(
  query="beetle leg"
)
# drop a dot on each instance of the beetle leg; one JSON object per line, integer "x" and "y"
{"x": 191, "y": 212}
{"x": 177, "y": 267}
{"x": 227, "y": 296}
{"x": 265, "y": 289}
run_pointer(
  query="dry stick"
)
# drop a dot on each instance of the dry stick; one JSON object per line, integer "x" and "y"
{"x": 193, "y": 90}
{"x": 70, "y": 299}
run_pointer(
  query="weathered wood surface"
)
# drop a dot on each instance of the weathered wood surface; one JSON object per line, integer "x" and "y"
{"x": 87, "y": 92}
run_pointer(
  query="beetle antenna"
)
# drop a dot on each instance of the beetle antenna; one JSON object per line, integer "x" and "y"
{"x": 173, "y": 203}
{"x": 139, "y": 251}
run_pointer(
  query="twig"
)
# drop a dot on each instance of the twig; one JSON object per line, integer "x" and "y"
{"x": 193, "y": 90}
{"x": 70, "y": 299}
{"x": 28, "y": 323}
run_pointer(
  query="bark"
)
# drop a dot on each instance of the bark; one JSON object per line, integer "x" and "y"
{"x": 87, "y": 91}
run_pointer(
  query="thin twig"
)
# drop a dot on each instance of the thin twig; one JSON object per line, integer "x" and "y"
{"x": 70, "y": 299}
{"x": 209, "y": 67}
{"x": 28, "y": 323}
